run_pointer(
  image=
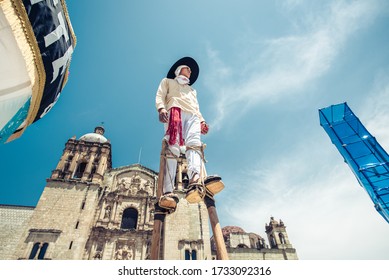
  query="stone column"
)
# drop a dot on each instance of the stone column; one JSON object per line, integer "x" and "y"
{"x": 60, "y": 164}
{"x": 98, "y": 176}
{"x": 73, "y": 165}
{"x": 113, "y": 214}
{"x": 179, "y": 175}
{"x": 88, "y": 168}
{"x": 102, "y": 210}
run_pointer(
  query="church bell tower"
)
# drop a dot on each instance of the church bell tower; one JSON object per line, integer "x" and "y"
{"x": 85, "y": 159}
{"x": 62, "y": 220}
{"x": 276, "y": 234}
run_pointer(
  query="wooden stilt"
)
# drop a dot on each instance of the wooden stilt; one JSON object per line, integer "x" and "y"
{"x": 160, "y": 214}
{"x": 158, "y": 218}
{"x": 156, "y": 237}
{"x": 221, "y": 251}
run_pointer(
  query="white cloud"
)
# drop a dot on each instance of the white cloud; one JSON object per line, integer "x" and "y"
{"x": 289, "y": 63}
{"x": 375, "y": 111}
{"x": 327, "y": 214}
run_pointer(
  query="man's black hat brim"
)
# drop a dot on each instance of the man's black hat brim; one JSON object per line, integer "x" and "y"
{"x": 188, "y": 61}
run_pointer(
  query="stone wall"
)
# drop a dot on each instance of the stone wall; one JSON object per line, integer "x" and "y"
{"x": 262, "y": 254}
{"x": 187, "y": 229}
{"x": 63, "y": 218}
{"x": 13, "y": 220}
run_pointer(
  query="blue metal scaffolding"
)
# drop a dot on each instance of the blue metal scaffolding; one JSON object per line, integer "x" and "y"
{"x": 360, "y": 150}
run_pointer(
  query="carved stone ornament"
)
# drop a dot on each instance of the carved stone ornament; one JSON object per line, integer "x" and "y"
{"x": 123, "y": 253}
{"x": 124, "y": 184}
{"x": 107, "y": 213}
{"x": 136, "y": 180}
{"x": 98, "y": 255}
{"x": 148, "y": 186}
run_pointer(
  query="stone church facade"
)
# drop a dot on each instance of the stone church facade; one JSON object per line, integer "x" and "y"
{"x": 92, "y": 211}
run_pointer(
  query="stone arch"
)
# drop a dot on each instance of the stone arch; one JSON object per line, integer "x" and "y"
{"x": 38, "y": 249}
{"x": 272, "y": 240}
{"x": 282, "y": 238}
{"x": 80, "y": 170}
{"x": 129, "y": 218}
{"x": 144, "y": 172}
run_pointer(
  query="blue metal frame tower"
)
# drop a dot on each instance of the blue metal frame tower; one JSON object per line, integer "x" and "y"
{"x": 360, "y": 150}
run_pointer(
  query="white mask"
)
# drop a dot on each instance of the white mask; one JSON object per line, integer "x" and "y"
{"x": 182, "y": 80}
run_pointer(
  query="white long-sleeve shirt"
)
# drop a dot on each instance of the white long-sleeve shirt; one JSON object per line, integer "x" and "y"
{"x": 171, "y": 94}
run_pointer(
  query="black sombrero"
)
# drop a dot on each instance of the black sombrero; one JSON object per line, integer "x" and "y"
{"x": 188, "y": 61}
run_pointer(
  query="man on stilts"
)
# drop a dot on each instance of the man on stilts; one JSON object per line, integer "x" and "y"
{"x": 178, "y": 108}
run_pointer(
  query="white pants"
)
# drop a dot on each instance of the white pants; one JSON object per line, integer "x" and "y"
{"x": 191, "y": 131}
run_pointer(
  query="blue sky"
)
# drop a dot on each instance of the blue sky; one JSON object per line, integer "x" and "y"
{"x": 266, "y": 67}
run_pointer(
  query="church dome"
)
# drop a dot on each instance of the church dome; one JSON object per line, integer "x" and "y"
{"x": 93, "y": 137}
{"x": 232, "y": 229}
{"x": 96, "y": 136}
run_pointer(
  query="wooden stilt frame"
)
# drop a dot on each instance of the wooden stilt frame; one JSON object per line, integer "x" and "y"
{"x": 158, "y": 218}
{"x": 221, "y": 251}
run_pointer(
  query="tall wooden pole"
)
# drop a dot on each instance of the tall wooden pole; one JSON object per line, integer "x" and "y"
{"x": 156, "y": 237}
{"x": 221, "y": 251}
{"x": 158, "y": 217}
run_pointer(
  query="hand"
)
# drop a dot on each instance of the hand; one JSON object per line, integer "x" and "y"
{"x": 204, "y": 128}
{"x": 163, "y": 116}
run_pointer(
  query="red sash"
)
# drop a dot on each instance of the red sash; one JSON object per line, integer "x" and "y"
{"x": 175, "y": 126}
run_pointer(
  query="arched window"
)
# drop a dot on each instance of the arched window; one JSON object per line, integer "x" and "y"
{"x": 38, "y": 247}
{"x": 261, "y": 244}
{"x": 93, "y": 171}
{"x": 242, "y": 246}
{"x": 273, "y": 243}
{"x": 34, "y": 251}
{"x": 80, "y": 170}
{"x": 190, "y": 255}
{"x": 187, "y": 254}
{"x": 65, "y": 169}
{"x": 282, "y": 238}
{"x": 194, "y": 255}
{"x": 129, "y": 219}
{"x": 43, "y": 251}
